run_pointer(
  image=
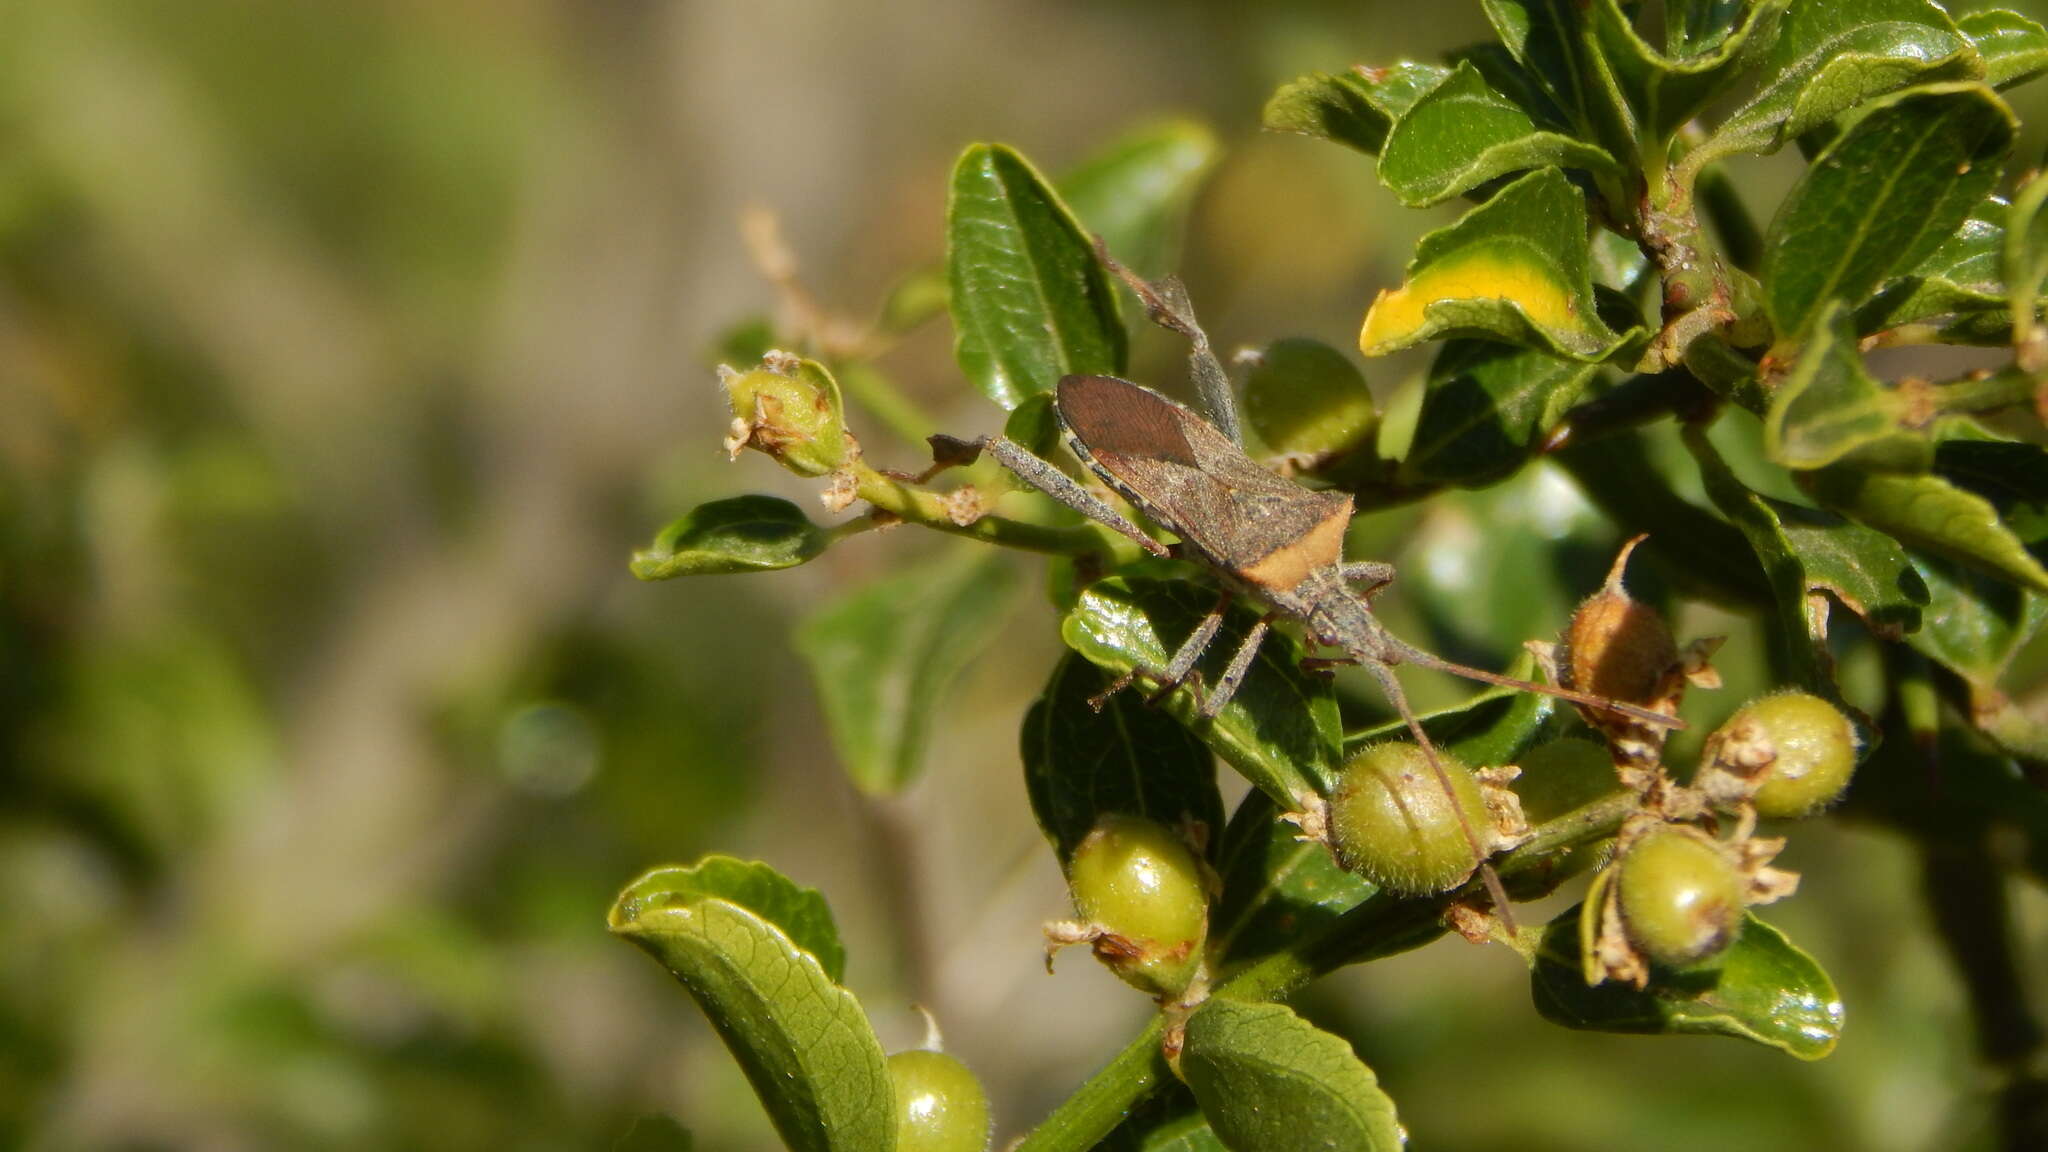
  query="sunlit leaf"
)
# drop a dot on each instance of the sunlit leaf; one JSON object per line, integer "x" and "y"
{"x": 883, "y": 656}
{"x": 1763, "y": 989}
{"x": 1463, "y": 133}
{"x": 1130, "y": 757}
{"x": 729, "y": 932}
{"x": 1515, "y": 268}
{"x": 1975, "y": 622}
{"x": 1548, "y": 37}
{"x": 742, "y": 534}
{"x": 1931, "y": 511}
{"x": 2014, "y": 48}
{"x": 1962, "y": 277}
{"x": 1882, "y": 197}
{"x": 1277, "y": 887}
{"x": 1280, "y": 730}
{"x": 1353, "y": 108}
{"x": 1668, "y": 90}
{"x": 1267, "y": 1079}
{"x": 1830, "y": 408}
{"x": 1030, "y": 301}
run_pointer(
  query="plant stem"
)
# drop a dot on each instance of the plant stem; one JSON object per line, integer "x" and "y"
{"x": 919, "y": 506}
{"x": 1093, "y": 1112}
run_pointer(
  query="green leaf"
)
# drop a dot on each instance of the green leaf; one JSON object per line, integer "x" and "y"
{"x": 1882, "y": 197}
{"x": 2014, "y": 48}
{"x": 801, "y": 1039}
{"x": 1281, "y": 729}
{"x": 1667, "y": 91}
{"x": 1187, "y": 1134}
{"x": 1463, "y": 133}
{"x": 1804, "y": 551}
{"x": 1764, "y": 990}
{"x": 1932, "y": 512}
{"x": 1548, "y": 38}
{"x": 1167, "y": 1121}
{"x": 1030, "y": 301}
{"x": 1515, "y": 268}
{"x": 1352, "y": 108}
{"x": 1491, "y": 728}
{"x": 1278, "y": 889}
{"x": 800, "y": 913}
{"x": 743, "y": 534}
{"x": 1975, "y": 622}
{"x": 883, "y": 656}
{"x": 1080, "y": 764}
{"x": 1962, "y": 277}
{"x": 1270, "y": 1081}
{"x": 1135, "y": 193}
{"x": 1831, "y": 409}
{"x": 1486, "y": 410}
{"x": 1830, "y": 57}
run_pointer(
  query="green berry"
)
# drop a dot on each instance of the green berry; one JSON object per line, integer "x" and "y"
{"x": 1305, "y": 398}
{"x": 940, "y": 1106}
{"x": 1140, "y": 890}
{"x": 1816, "y": 753}
{"x": 1391, "y": 822}
{"x": 1681, "y": 897}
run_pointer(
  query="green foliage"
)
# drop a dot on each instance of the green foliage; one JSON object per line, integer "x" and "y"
{"x": 1723, "y": 399}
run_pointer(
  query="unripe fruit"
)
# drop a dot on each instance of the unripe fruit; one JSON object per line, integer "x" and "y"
{"x": 1804, "y": 747}
{"x": 1391, "y": 822}
{"x": 940, "y": 1106}
{"x": 1306, "y": 399}
{"x": 790, "y": 409}
{"x": 1140, "y": 891}
{"x": 1681, "y": 897}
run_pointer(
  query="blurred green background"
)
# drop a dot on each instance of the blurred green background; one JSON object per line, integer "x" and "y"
{"x": 347, "y": 349}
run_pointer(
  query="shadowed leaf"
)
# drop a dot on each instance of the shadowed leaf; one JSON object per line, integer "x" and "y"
{"x": 743, "y": 534}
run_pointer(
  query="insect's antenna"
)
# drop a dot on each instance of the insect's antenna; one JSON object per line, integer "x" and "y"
{"x": 1391, "y": 685}
{"x": 1423, "y": 659}
{"x": 1167, "y": 305}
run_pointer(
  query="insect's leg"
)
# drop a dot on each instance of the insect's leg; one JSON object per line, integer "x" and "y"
{"x": 1179, "y": 669}
{"x": 1057, "y": 484}
{"x": 1240, "y": 665}
{"x": 1409, "y": 654}
{"x": 1391, "y": 685}
{"x": 1321, "y": 665}
{"x": 1167, "y": 305}
{"x": 1374, "y": 574}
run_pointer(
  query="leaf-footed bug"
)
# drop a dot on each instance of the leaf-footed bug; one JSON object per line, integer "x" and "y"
{"x": 1264, "y": 536}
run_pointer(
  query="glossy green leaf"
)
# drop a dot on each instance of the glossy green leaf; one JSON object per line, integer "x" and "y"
{"x": 742, "y": 534}
{"x": 1463, "y": 133}
{"x": 1764, "y": 990}
{"x": 883, "y": 656}
{"x": 2014, "y": 48}
{"x": 1975, "y": 622}
{"x": 1186, "y": 1134}
{"x": 1030, "y": 301}
{"x": 1882, "y": 197}
{"x": 2013, "y": 476}
{"x": 1831, "y": 409}
{"x": 1278, "y": 889}
{"x": 1549, "y": 38}
{"x": 1080, "y": 764}
{"x": 1668, "y": 90}
{"x": 801, "y": 1039}
{"x": 1515, "y": 268}
{"x": 800, "y": 913}
{"x": 1486, "y": 409}
{"x": 1270, "y": 1081}
{"x": 1353, "y": 108}
{"x": 1280, "y": 730}
{"x": 1962, "y": 277}
{"x": 1828, "y": 57}
{"x": 1930, "y": 511}
{"x": 1167, "y": 1121}
{"x": 1803, "y": 551}
{"x": 1135, "y": 193}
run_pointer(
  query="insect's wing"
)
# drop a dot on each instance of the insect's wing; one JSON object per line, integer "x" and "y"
{"x": 1183, "y": 473}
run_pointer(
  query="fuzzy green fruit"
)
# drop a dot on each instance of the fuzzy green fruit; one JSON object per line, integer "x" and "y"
{"x": 1681, "y": 897}
{"x": 940, "y": 1105}
{"x": 1306, "y": 399}
{"x": 1391, "y": 822}
{"x": 1816, "y": 753}
{"x": 1139, "y": 890}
